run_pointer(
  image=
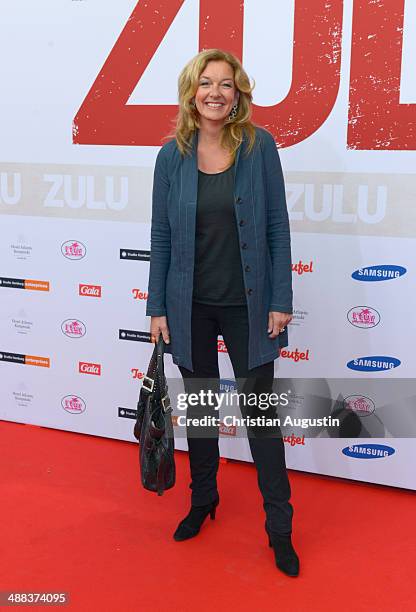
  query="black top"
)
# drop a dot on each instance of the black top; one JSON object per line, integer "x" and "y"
{"x": 218, "y": 275}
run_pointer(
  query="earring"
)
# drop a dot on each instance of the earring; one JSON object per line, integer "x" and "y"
{"x": 233, "y": 113}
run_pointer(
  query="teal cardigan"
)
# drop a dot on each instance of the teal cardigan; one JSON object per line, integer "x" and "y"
{"x": 263, "y": 228}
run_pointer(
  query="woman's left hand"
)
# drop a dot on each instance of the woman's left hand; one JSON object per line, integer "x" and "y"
{"x": 277, "y": 323}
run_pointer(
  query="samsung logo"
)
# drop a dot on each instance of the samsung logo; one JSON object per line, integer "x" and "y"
{"x": 368, "y": 451}
{"x": 378, "y": 273}
{"x": 375, "y": 363}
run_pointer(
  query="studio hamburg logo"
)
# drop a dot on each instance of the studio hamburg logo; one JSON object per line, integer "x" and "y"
{"x": 73, "y": 328}
{"x": 73, "y": 404}
{"x": 73, "y": 249}
{"x": 363, "y": 317}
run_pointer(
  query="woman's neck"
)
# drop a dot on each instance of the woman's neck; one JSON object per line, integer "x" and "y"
{"x": 210, "y": 134}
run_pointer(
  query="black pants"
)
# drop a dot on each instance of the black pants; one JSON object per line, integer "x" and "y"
{"x": 268, "y": 452}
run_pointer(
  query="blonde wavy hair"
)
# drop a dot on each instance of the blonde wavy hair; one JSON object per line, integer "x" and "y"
{"x": 187, "y": 119}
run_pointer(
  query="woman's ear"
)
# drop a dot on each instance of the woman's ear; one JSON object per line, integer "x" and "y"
{"x": 236, "y": 97}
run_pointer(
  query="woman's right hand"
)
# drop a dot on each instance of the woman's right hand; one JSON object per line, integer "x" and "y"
{"x": 159, "y": 325}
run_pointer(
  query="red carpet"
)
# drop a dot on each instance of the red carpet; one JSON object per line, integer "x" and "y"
{"x": 74, "y": 518}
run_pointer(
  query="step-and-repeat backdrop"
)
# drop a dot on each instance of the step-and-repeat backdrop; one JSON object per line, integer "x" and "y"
{"x": 88, "y": 92}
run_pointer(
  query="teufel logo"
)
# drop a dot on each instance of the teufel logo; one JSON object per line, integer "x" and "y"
{"x": 139, "y": 295}
{"x": 73, "y": 404}
{"x": 360, "y": 404}
{"x": 293, "y": 440}
{"x": 300, "y": 267}
{"x": 72, "y": 249}
{"x": 73, "y": 328}
{"x": 363, "y": 317}
{"x": 295, "y": 355}
{"x": 89, "y": 368}
{"x": 91, "y": 290}
{"x": 136, "y": 373}
{"x": 221, "y": 346}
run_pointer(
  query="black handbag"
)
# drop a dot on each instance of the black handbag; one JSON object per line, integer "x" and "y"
{"x": 154, "y": 428}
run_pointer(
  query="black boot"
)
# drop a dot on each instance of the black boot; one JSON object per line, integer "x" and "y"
{"x": 285, "y": 555}
{"x": 191, "y": 524}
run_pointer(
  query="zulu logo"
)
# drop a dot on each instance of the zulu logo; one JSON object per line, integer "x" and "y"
{"x": 82, "y": 191}
{"x": 326, "y": 202}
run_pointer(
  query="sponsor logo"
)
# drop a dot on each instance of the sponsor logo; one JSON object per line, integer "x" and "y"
{"x": 134, "y": 255}
{"x": 298, "y": 317}
{"x": 73, "y": 328}
{"x": 368, "y": 451}
{"x": 139, "y": 295}
{"x": 90, "y": 290}
{"x": 33, "y": 360}
{"x": 360, "y": 404}
{"x": 89, "y": 368}
{"x": 375, "y": 363}
{"x": 378, "y": 273}
{"x": 295, "y": 355}
{"x": 221, "y": 346}
{"x": 227, "y": 385}
{"x": 21, "y": 397}
{"x": 363, "y": 317}
{"x": 22, "y": 325}
{"x": 21, "y": 249}
{"x": 127, "y": 413}
{"x": 136, "y": 373}
{"x": 73, "y": 404}
{"x": 227, "y": 430}
{"x": 292, "y": 440}
{"x": 300, "y": 267}
{"x": 24, "y": 283}
{"x": 133, "y": 334}
{"x": 72, "y": 249}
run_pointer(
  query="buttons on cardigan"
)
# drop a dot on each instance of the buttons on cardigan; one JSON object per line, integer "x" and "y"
{"x": 242, "y": 222}
{"x": 247, "y": 268}
{"x": 244, "y": 245}
{"x": 238, "y": 200}
{"x": 249, "y": 291}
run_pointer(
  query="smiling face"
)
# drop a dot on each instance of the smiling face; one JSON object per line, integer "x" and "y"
{"x": 216, "y": 92}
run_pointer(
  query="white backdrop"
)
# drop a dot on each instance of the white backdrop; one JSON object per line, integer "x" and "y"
{"x": 75, "y": 210}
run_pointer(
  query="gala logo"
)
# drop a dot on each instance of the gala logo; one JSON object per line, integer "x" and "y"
{"x": 89, "y": 368}
{"x": 90, "y": 290}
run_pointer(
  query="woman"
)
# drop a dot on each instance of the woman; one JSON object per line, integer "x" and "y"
{"x": 220, "y": 264}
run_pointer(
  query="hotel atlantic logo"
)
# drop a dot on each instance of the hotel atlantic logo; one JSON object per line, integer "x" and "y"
{"x": 363, "y": 317}
{"x": 73, "y": 249}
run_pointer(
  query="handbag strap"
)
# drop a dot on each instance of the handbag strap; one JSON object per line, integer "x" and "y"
{"x": 154, "y": 382}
